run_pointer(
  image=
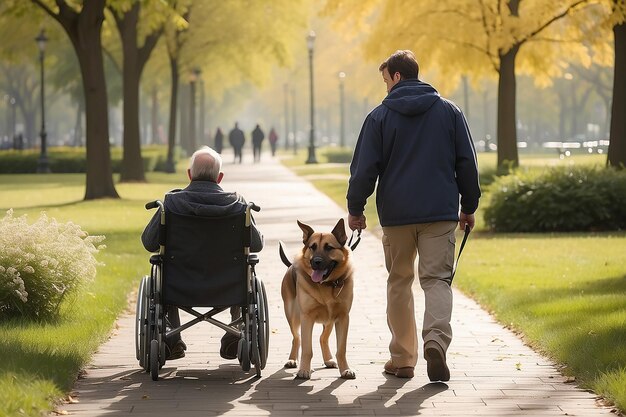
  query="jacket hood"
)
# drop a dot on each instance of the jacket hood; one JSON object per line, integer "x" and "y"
{"x": 222, "y": 203}
{"x": 411, "y": 97}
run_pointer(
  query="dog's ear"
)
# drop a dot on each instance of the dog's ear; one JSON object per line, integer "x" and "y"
{"x": 340, "y": 232}
{"x": 307, "y": 231}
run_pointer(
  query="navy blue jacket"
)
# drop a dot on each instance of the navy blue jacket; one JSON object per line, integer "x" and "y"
{"x": 417, "y": 145}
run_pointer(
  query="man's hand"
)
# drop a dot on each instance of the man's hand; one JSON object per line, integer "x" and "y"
{"x": 356, "y": 222}
{"x": 466, "y": 219}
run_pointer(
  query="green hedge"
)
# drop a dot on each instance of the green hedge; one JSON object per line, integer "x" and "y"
{"x": 64, "y": 160}
{"x": 339, "y": 155}
{"x": 558, "y": 200}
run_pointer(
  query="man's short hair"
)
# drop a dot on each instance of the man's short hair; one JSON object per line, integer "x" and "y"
{"x": 205, "y": 164}
{"x": 404, "y": 62}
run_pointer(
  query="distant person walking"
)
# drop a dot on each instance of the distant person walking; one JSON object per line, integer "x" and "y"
{"x": 219, "y": 141}
{"x": 417, "y": 147}
{"x": 237, "y": 140}
{"x": 273, "y": 138}
{"x": 257, "y": 141}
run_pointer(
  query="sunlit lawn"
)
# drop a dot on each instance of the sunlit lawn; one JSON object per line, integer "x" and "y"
{"x": 41, "y": 361}
{"x": 566, "y": 293}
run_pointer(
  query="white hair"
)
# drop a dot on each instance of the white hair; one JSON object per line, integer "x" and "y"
{"x": 205, "y": 164}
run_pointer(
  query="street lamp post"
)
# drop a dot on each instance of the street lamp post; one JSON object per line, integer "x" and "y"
{"x": 310, "y": 41}
{"x": 201, "y": 120}
{"x": 342, "y": 131}
{"x": 42, "y": 163}
{"x": 16, "y": 145}
{"x": 192, "y": 113}
{"x": 286, "y": 88}
{"x": 294, "y": 121}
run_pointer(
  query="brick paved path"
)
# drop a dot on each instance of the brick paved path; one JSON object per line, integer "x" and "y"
{"x": 493, "y": 372}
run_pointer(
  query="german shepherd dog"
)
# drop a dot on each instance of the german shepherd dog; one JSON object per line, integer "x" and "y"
{"x": 317, "y": 288}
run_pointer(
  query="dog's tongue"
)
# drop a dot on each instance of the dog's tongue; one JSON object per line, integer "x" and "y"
{"x": 318, "y": 275}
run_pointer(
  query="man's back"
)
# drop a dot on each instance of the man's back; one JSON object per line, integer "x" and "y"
{"x": 199, "y": 198}
{"x": 423, "y": 147}
{"x": 236, "y": 137}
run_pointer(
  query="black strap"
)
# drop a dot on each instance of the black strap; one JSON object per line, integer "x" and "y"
{"x": 456, "y": 264}
{"x": 351, "y": 245}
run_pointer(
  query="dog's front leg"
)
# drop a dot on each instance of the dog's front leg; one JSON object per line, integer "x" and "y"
{"x": 341, "y": 328}
{"x": 306, "y": 333}
{"x": 326, "y": 355}
{"x": 293, "y": 317}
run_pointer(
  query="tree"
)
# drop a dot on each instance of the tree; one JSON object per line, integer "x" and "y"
{"x": 237, "y": 48}
{"x": 174, "y": 37}
{"x": 83, "y": 27}
{"x": 127, "y": 20}
{"x": 617, "y": 147}
{"x": 478, "y": 38}
{"x": 23, "y": 86}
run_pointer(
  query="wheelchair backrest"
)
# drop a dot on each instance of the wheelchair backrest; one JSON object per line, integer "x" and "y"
{"x": 205, "y": 262}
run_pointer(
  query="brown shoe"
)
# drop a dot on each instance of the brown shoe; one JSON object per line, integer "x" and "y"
{"x": 436, "y": 362}
{"x": 404, "y": 372}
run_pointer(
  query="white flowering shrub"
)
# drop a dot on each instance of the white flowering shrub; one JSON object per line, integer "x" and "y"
{"x": 42, "y": 263}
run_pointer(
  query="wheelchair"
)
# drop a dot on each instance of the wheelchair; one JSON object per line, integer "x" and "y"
{"x": 202, "y": 262}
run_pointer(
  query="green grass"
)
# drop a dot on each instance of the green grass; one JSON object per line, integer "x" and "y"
{"x": 566, "y": 293}
{"x": 41, "y": 360}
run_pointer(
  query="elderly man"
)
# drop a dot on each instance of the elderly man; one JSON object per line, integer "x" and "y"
{"x": 202, "y": 197}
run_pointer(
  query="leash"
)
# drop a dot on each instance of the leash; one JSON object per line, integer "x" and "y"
{"x": 351, "y": 245}
{"x": 456, "y": 264}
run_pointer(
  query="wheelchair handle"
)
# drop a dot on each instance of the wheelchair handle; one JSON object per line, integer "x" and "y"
{"x": 153, "y": 204}
{"x": 255, "y": 207}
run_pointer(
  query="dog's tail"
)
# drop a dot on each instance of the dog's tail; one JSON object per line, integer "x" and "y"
{"x": 283, "y": 257}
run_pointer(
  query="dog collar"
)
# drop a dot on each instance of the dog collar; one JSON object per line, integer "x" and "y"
{"x": 335, "y": 284}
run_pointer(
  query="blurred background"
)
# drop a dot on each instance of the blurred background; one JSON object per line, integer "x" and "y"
{"x": 185, "y": 68}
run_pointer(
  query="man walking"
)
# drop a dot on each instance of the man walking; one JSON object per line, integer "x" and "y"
{"x": 417, "y": 145}
{"x": 257, "y": 142}
{"x": 237, "y": 140}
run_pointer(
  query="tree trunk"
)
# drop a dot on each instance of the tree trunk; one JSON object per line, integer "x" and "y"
{"x": 132, "y": 163}
{"x": 154, "y": 117}
{"x": 617, "y": 145}
{"x": 78, "y": 128}
{"x": 562, "y": 111}
{"x": 507, "y": 130}
{"x": 171, "y": 133}
{"x": 183, "y": 111}
{"x": 84, "y": 29}
{"x": 192, "y": 118}
{"x": 31, "y": 136}
{"x": 99, "y": 171}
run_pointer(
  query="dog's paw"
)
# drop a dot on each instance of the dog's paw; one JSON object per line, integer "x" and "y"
{"x": 291, "y": 364}
{"x": 303, "y": 374}
{"x": 348, "y": 374}
{"x": 330, "y": 364}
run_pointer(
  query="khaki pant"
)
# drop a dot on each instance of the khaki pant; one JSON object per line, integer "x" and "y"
{"x": 434, "y": 243}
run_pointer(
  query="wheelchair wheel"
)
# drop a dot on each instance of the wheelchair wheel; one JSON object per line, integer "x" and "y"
{"x": 244, "y": 354}
{"x": 154, "y": 360}
{"x": 258, "y": 324}
{"x": 254, "y": 345}
{"x": 263, "y": 324}
{"x": 139, "y": 323}
{"x": 143, "y": 324}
